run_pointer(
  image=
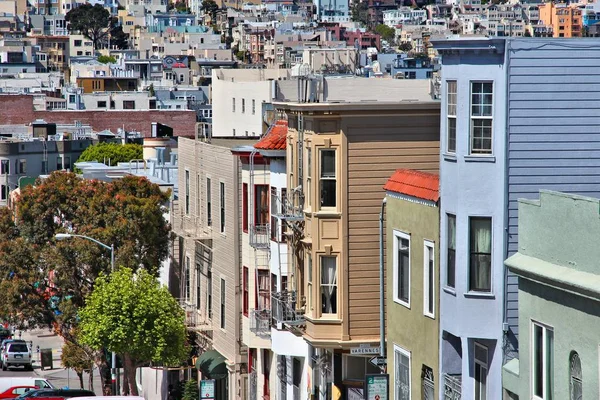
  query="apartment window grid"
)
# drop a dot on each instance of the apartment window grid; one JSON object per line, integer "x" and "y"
{"x": 187, "y": 192}
{"x": 222, "y": 205}
{"x": 428, "y": 280}
{"x": 402, "y": 268}
{"x": 481, "y": 370}
{"x": 401, "y": 373}
{"x": 328, "y": 179}
{"x": 480, "y": 248}
{"x": 222, "y": 303}
{"x": 451, "y": 252}
{"x": 481, "y": 117}
{"x": 451, "y": 89}
{"x": 542, "y": 354}
{"x": 328, "y": 285}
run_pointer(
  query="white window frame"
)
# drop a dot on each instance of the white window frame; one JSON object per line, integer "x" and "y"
{"x": 323, "y": 178}
{"x": 397, "y": 236}
{"x": 428, "y": 248}
{"x": 322, "y": 285}
{"x": 545, "y": 388}
{"x": 481, "y": 364}
{"x": 400, "y": 350}
{"x": 473, "y": 118}
{"x": 451, "y": 112}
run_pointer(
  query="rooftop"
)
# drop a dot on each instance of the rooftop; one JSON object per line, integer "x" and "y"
{"x": 275, "y": 139}
{"x": 413, "y": 183}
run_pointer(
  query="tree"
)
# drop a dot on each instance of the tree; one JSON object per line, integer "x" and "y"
{"x": 112, "y": 153}
{"x": 385, "y": 32}
{"x": 405, "y": 47}
{"x": 190, "y": 390}
{"x": 79, "y": 358}
{"x": 210, "y": 7}
{"x": 43, "y": 283}
{"x": 106, "y": 59}
{"x": 133, "y": 315}
{"x": 91, "y": 21}
{"x": 360, "y": 12}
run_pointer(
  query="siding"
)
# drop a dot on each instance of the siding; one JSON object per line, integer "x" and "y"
{"x": 376, "y": 148}
{"x": 553, "y": 119}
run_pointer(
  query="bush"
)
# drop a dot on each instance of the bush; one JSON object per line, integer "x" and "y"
{"x": 190, "y": 391}
{"x": 107, "y": 59}
{"x": 112, "y": 153}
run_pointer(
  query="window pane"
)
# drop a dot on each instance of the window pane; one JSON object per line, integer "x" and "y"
{"x": 402, "y": 376}
{"x": 403, "y": 269}
{"x": 538, "y": 371}
{"x": 328, "y": 285}
{"x": 328, "y": 193}
{"x": 430, "y": 275}
{"x": 451, "y": 262}
{"x": 451, "y": 135}
{"x": 480, "y": 278}
{"x": 549, "y": 364}
{"x": 328, "y": 163}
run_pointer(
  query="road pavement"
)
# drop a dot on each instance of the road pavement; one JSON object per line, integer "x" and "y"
{"x": 58, "y": 375}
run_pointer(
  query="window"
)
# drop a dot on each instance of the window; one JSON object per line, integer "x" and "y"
{"x": 222, "y": 205}
{"x": 283, "y": 224}
{"x": 245, "y": 207}
{"x": 102, "y": 104}
{"x": 261, "y": 204}
{"x": 209, "y": 293}
{"x": 198, "y": 196}
{"x": 187, "y": 289}
{"x": 222, "y": 303}
{"x": 208, "y": 203}
{"x": 328, "y": 285}
{"x": 481, "y": 117}
{"x": 22, "y": 166}
{"x": 328, "y": 179}
{"x": 233, "y": 106}
{"x": 187, "y": 192}
{"x": 480, "y": 264}
{"x": 451, "y": 249}
{"x": 402, "y": 268}
{"x": 243, "y": 106}
{"x": 128, "y": 105}
{"x": 245, "y": 293}
{"x": 451, "y": 126}
{"x": 401, "y": 373}
{"x": 234, "y": 132}
{"x": 263, "y": 295}
{"x": 309, "y": 281}
{"x": 481, "y": 369}
{"x": 576, "y": 383}
{"x": 3, "y": 192}
{"x": 428, "y": 280}
{"x": 5, "y": 167}
{"x": 542, "y": 354}
{"x": 67, "y": 163}
{"x": 274, "y": 230}
{"x": 253, "y": 106}
{"x": 198, "y": 283}
{"x": 59, "y": 163}
{"x": 308, "y": 176}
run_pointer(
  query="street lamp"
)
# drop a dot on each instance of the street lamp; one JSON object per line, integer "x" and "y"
{"x": 63, "y": 236}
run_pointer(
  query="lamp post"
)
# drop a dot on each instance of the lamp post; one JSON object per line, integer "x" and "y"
{"x": 63, "y": 236}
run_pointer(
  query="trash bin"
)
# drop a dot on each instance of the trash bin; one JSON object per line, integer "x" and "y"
{"x": 46, "y": 358}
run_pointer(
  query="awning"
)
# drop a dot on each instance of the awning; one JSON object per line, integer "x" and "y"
{"x": 212, "y": 364}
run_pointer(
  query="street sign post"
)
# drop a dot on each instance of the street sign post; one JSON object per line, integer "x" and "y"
{"x": 207, "y": 389}
{"x": 378, "y": 361}
{"x": 377, "y": 387}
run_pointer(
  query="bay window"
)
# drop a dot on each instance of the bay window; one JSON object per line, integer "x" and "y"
{"x": 451, "y": 121}
{"x": 328, "y": 180}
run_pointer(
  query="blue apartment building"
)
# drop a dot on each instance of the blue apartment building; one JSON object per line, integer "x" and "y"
{"x": 518, "y": 115}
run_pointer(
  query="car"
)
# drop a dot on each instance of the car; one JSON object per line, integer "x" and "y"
{"x": 5, "y": 334}
{"x": 37, "y": 381}
{"x": 59, "y": 393}
{"x": 16, "y": 353}
{"x": 16, "y": 391}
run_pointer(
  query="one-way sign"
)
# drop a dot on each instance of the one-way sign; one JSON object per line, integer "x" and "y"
{"x": 378, "y": 361}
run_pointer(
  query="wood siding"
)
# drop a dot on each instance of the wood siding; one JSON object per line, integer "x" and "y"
{"x": 553, "y": 118}
{"x": 376, "y": 147}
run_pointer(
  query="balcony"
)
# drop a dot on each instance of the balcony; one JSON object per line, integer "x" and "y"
{"x": 259, "y": 236}
{"x": 191, "y": 316}
{"x": 452, "y": 387}
{"x": 291, "y": 206}
{"x": 284, "y": 308}
{"x": 260, "y": 322}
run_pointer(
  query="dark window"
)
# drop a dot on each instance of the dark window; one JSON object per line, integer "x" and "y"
{"x": 222, "y": 303}
{"x": 128, "y": 105}
{"x": 245, "y": 291}
{"x": 451, "y": 261}
{"x": 245, "y": 207}
{"x": 261, "y": 204}
{"x": 102, "y": 104}
{"x": 328, "y": 178}
{"x": 480, "y": 268}
{"x": 208, "y": 203}
{"x": 222, "y": 206}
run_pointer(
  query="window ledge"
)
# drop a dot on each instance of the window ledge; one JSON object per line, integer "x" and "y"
{"x": 327, "y": 214}
{"x": 449, "y": 290}
{"x": 480, "y": 158}
{"x": 449, "y": 156}
{"x": 324, "y": 320}
{"x": 401, "y": 303}
{"x": 480, "y": 295}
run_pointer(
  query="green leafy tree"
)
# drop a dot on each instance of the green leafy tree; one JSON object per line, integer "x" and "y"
{"x": 43, "y": 283}
{"x": 191, "y": 390}
{"x": 360, "y": 12}
{"x": 80, "y": 359}
{"x": 133, "y": 315}
{"x": 405, "y": 47}
{"x": 112, "y": 153}
{"x": 385, "y": 32}
{"x": 107, "y": 59}
{"x": 210, "y": 7}
{"x": 91, "y": 21}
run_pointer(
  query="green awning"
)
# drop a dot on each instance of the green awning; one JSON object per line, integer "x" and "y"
{"x": 212, "y": 364}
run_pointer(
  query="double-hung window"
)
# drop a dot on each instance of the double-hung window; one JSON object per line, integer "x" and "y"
{"x": 481, "y": 117}
{"x": 187, "y": 192}
{"x": 481, "y": 370}
{"x": 309, "y": 282}
{"x": 451, "y": 252}
{"x": 245, "y": 291}
{"x": 263, "y": 286}
{"x": 187, "y": 288}
{"x": 428, "y": 280}
{"x": 480, "y": 263}
{"x": 542, "y": 362}
{"x": 328, "y": 285}
{"x": 222, "y": 303}
{"x": 328, "y": 179}
{"x": 451, "y": 122}
{"x": 402, "y": 268}
{"x": 222, "y": 205}
{"x": 208, "y": 202}
{"x": 401, "y": 373}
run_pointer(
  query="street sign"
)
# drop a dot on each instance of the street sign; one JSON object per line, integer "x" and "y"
{"x": 378, "y": 361}
{"x": 364, "y": 350}
{"x": 207, "y": 389}
{"x": 377, "y": 387}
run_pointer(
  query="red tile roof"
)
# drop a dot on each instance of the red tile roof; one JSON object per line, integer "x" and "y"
{"x": 418, "y": 184}
{"x": 276, "y": 137}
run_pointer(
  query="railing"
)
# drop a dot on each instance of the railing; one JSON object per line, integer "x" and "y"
{"x": 291, "y": 206}
{"x": 259, "y": 236}
{"x": 452, "y": 387}
{"x": 191, "y": 315}
{"x": 284, "y": 308}
{"x": 260, "y": 322}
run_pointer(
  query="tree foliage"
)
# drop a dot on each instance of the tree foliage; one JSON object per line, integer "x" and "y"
{"x": 107, "y": 59}
{"x": 131, "y": 314}
{"x": 79, "y": 359}
{"x": 210, "y": 7}
{"x": 360, "y": 12}
{"x": 91, "y": 21}
{"x": 191, "y": 390}
{"x": 385, "y": 32}
{"x": 112, "y": 153}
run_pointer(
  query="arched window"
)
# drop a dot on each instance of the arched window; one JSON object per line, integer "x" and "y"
{"x": 575, "y": 385}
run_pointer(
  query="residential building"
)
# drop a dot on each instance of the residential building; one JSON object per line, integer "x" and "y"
{"x": 107, "y": 84}
{"x": 564, "y": 19}
{"x": 412, "y": 284}
{"x": 81, "y": 46}
{"x": 335, "y": 172}
{"x": 559, "y": 295}
{"x": 57, "y": 51}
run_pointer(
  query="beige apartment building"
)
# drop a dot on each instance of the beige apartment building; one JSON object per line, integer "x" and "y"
{"x": 339, "y": 156}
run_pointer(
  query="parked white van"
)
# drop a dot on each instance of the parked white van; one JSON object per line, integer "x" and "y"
{"x": 7, "y": 383}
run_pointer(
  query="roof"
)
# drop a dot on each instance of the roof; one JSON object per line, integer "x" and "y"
{"x": 413, "y": 183}
{"x": 275, "y": 139}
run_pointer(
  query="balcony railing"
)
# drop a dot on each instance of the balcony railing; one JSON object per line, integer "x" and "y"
{"x": 452, "y": 387}
{"x": 259, "y": 236}
{"x": 291, "y": 206}
{"x": 260, "y": 322}
{"x": 284, "y": 308}
{"x": 191, "y": 315}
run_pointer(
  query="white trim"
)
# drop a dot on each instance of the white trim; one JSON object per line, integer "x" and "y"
{"x": 485, "y": 365}
{"x": 544, "y": 344}
{"x": 398, "y": 349}
{"x": 487, "y": 117}
{"x": 428, "y": 245}
{"x": 401, "y": 235}
{"x": 412, "y": 199}
{"x": 477, "y": 293}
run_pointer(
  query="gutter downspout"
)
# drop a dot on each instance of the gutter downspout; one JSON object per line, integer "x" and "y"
{"x": 381, "y": 284}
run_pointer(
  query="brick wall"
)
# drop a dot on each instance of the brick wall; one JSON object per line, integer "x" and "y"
{"x": 18, "y": 110}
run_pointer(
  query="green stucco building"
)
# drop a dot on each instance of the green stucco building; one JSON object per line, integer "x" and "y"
{"x": 412, "y": 284}
{"x": 558, "y": 265}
